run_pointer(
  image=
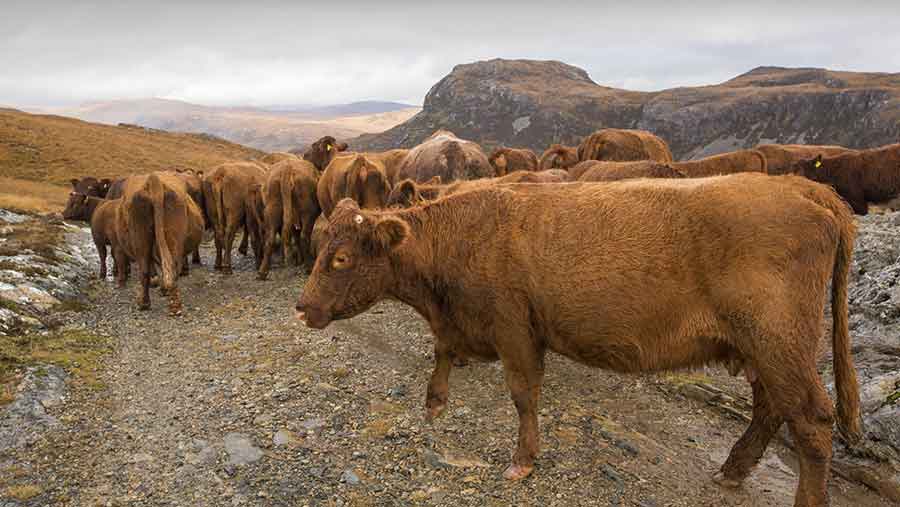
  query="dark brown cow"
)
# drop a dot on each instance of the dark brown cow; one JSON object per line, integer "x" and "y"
{"x": 100, "y": 213}
{"x": 741, "y": 161}
{"x": 601, "y": 170}
{"x": 623, "y": 145}
{"x": 87, "y": 186}
{"x": 225, "y": 194}
{"x": 634, "y": 276}
{"x": 322, "y": 151}
{"x": 507, "y": 160}
{"x": 558, "y": 156}
{"x": 158, "y": 224}
{"x": 860, "y": 177}
{"x": 780, "y": 158}
{"x": 445, "y": 155}
{"x": 291, "y": 209}
{"x": 356, "y": 176}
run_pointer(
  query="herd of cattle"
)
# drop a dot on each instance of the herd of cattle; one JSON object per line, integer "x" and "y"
{"x": 511, "y": 255}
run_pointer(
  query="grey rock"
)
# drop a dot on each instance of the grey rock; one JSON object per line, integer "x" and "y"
{"x": 26, "y": 418}
{"x": 350, "y": 478}
{"x": 241, "y": 450}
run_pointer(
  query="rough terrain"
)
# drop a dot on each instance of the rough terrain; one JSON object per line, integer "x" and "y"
{"x": 533, "y": 104}
{"x": 236, "y": 403}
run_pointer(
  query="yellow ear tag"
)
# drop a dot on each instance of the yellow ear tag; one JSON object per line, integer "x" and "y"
{"x": 327, "y": 147}
{"x": 818, "y": 164}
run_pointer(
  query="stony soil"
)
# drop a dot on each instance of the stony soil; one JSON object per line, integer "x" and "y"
{"x": 235, "y": 403}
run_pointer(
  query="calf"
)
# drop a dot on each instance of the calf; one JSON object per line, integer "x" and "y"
{"x": 100, "y": 213}
{"x": 633, "y": 276}
{"x": 291, "y": 209}
{"x": 507, "y": 160}
{"x": 860, "y": 177}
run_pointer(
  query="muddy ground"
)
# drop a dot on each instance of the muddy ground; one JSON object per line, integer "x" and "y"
{"x": 235, "y": 403}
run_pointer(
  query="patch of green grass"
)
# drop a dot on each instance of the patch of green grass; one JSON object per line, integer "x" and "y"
{"x": 78, "y": 351}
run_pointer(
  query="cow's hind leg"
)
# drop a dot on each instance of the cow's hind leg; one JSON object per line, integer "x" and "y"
{"x": 144, "y": 270}
{"x": 230, "y": 232}
{"x": 747, "y": 452}
{"x": 438, "y": 386}
{"x": 242, "y": 249}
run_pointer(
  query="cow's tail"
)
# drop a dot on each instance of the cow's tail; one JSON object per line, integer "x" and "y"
{"x": 157, "y": 194}
{"x": 287, "y": 200}
{"x": 218, "y": 187}
{"x": 456, "y": 160}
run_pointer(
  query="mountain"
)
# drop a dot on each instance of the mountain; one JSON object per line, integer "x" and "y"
{"x": 526, "y": 103}
{"x": 280, "y": 128}
{"x": 53, "y": 149}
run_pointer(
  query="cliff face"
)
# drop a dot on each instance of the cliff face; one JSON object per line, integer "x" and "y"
{"x": 532, "y": 104}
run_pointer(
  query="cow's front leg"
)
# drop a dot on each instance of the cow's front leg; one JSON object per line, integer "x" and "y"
{"x": 524, "y": 372}
{"x": 439, "y": 385}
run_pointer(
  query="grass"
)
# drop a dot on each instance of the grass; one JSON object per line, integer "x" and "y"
{"x": 31, "y": 196}
{"x": 53, "y": 149}
{"x": 33, "y": 235}
{"x": 77, "y": 351}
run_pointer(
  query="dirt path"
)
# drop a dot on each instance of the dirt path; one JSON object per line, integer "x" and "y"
{"x": 237, "y": 404}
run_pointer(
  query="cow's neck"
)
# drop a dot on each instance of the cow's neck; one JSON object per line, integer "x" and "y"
{"x": 429, "y": 266}
{"x": 92, "y": 203}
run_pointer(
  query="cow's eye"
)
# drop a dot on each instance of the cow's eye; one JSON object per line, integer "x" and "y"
{"x": 340, "y": 261}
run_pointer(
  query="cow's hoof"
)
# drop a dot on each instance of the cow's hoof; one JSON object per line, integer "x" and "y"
{"x": 242, "y": 251}
{"x": 435, "y": 411}
{"x": 517, "y": 472}
{"x": 720, "y": 479}
{"x": 262, "y": 277}
{"x": 226, "y": 270}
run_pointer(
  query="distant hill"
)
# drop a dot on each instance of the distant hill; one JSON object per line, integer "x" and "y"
{"x": 279, "y": 128}
{"x": 527, "y": 103}
{"x": 54, "y": 149}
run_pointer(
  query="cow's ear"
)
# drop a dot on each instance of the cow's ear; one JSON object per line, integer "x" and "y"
{"x": 341, "y": 147}
{"x": 74, "y": 182}
{"x": 390, "y": 233}
{"x": 817, "y": 163}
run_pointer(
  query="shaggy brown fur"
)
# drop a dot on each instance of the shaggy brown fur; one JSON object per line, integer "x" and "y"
{"x": 291, "y": 209}
{"x": 322, "y": 151}
{"x": 623, "y": 145}
{"x": 781, "y": 157}
{"x": 548, "y": 176}
{"x": 225, "y": 193}
{"x": 742, "y": 161}
{"x": 318, "y": 234}
{"x": 599, "y": 170}
{"x": 356, "y": 176}
{"x": 507, "y": 160}
{"x": 558, "y": 156}
{"x": 88, "y": 186}
{"x": 277, "y": 156}
{"x": 634, "y": 276}
{"x": 860, "y": 177}
{"x": 445, "y": 155}
{"x": 391, "y": 160}
{"x": 157, "y": 223}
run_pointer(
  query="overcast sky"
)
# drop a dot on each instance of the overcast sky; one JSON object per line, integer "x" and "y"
{"x": 265, "y": 53}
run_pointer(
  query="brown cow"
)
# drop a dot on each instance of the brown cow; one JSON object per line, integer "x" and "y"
{"x": 781, "y": 157}
{"x": 409, "y": 193}
{"x": 507, "y": 160}
{"x": 860, "y": 177}
{"x": 558, "y": 156}
{"x": 633, "y": 276}
{"x": 100, "y": 213}
{"x": 157, "y": 223}
{"x": 225, "y": 193}
{"x": 194, "y": 181}
{"x": 741, "y": 161}
{"x": 600, "y": 170}
{"x": 356, "y": 176}
{"x": 291, "y": 209}
{"x": 445, "y": 155}
{"x": 317, "y": 239}
{"x": 277, "y": 156}
{"x": 623, "y": 145}
{"x": 322, "y": 151}
{"x": 87, "y": 186}
{"x": 391, "y": 160}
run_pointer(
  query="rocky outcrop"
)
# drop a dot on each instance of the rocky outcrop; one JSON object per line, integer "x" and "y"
{"x": 524, "y": 103}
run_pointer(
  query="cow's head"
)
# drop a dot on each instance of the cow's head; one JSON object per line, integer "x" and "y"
{"x": 353, "y": 269}
{"x": 498, "y": 160}
{"x": 81, "y": 189}
{"x": 810, "y": 168}
{"x": 322, "y": 151}
{"x": 408, "y": 193}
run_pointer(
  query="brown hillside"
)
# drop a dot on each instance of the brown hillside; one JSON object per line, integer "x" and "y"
{"x": 54, "y": 149}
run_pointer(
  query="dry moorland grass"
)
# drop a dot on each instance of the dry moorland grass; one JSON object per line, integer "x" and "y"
{"x": 31, "y": 196}
{"x": 54, "y": 149}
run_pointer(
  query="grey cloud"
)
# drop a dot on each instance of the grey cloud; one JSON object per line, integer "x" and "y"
{"x": 297, "y": 53}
